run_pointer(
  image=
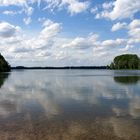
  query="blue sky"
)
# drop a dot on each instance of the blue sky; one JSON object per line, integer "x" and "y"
{"x": 68, "y": 32}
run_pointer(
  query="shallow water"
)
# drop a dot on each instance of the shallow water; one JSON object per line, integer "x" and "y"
{"x": 70, "y": 105}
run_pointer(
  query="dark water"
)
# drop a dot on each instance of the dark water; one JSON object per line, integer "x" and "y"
{"x": 70, "y": 105}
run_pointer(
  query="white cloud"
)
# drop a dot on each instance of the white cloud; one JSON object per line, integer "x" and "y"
{"x": 107, "y": 5}
{"x": 128, "y": 47}
{"x": 135, "y": 32}
{"x": 49, "y": 48}
{"x": 134, "y": 29}
{"x": 29, "y": 11}
{"x": 13, "y": 2}
{"x": 135, "y": 24}
{"x": 27, "y": 20}
{"x": 121, "y": 9}
{"x": 23, "y": 4}
{"x": 18, "y": 45}
{"x": 82, "y": 43}
{"x": 78, "y": 43}
{"x": 46, "y": 22}
{"x": 9, "y": 12}
{"x": 7, "y": 30}
{"x": 75, "y": 7}
{"x": 113, "y": 43}
{"x": 94, "y": 10}
{"x": 72, "y": 6}
{"x": 50, "y": 29}
{"x": 118, "y": 26}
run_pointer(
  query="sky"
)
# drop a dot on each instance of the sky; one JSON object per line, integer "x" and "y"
{"x": 68, "y": 32}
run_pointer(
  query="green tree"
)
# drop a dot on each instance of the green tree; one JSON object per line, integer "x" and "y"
{"x": 126, "y": 61}
{"x": 4, "y": 66}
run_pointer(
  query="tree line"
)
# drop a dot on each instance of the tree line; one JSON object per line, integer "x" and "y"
{"x": 125, "y": 61}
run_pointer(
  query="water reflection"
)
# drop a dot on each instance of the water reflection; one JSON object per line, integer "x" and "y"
{"x": 69, "y": 105}
{"x": 127, "y": 79}
{"x": 3, "y": 77}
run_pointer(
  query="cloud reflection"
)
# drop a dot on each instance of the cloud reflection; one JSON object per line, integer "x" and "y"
{"x": 47, "y": 98}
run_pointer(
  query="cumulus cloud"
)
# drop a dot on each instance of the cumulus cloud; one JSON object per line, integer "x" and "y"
{"x": 7, "y": 30}
{"x": 48, "y": 46}
{"x": 134, "y": 28}
{"x": 135, "y": 24}
{"x": 13, "y": 2}
{"x": 82, "y": 43}
{"x": 19, "y": 46}
{"x": 75, "y": 7}
{"x": 119, "y": 9}
{"x": 118, "y": 26}
{"x": 113, "y": 43}
{"x": 50, "y": 29}
{"x": 134, "y": 31}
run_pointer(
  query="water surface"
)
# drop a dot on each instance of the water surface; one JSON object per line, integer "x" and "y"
{"x": 70, "y": 105}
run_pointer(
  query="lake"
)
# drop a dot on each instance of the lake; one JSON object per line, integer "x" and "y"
{"x": 70, "y": 105}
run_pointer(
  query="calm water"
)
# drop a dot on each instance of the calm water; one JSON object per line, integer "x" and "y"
{"x": 70, "y": 105}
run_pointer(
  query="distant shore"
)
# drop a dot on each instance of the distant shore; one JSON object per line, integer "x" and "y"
{"x": 66, "y": 67}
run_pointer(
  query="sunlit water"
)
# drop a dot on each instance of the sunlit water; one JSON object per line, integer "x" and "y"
{"x": 70, "y": 105}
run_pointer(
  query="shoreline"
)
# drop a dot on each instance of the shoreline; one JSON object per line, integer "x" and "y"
{"x": 66, "y": 67}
